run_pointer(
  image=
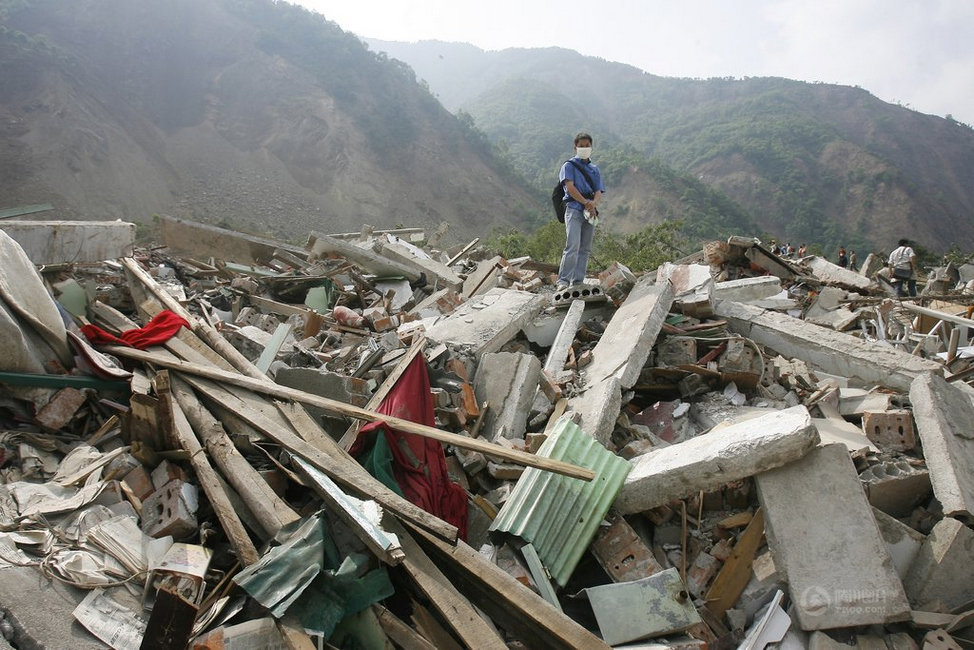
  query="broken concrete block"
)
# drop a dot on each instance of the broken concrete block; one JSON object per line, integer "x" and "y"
{"x": 942, "y": 574}
{"x": 343, "y": 388}
{"x": 896, "y": 487}
{"x": 59, "y": 242}
{"x": 902, "y": 541}
{"x": 854, "y": 402}
{"x": 508, "y": 380}
{"x": 712, "y": 459}
{"x": 630, "y": 335}
{"x": 869, "y": 362}
{"x": 827, "y": 311}
{"x": 627, "y": 611}
{"x": 832, "y": 430}
{"x": 890, "y": 430}
{"x": 830, "y": 273}
{"x": 411, "y": 256}
{"x": 320, "y": 244}
{"x": 622, "y": 553}
{"x": 944, "y": 414}
{"x": 748, "y": 289}
{"x": 171, "y": 510}
{"x": 840, "y": 575}
{"x": 598, "y": 409}
{"x": 486, "y": 322}
{"x": 483, "y": 278}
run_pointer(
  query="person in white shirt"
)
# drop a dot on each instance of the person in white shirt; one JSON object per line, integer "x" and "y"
{"x": 902, "y": 269}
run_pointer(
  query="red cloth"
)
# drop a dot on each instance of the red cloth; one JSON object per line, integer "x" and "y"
{"x": 420, "y": 465}
{"x": 160, "y": 329}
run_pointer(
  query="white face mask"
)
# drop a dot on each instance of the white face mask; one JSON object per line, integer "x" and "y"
{"x": 583, "y": 152}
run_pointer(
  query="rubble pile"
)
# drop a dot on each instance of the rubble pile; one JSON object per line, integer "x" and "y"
{"x": 373, "y": 441}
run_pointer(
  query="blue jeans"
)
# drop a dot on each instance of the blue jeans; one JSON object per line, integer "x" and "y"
{"x": 578, "y": 245}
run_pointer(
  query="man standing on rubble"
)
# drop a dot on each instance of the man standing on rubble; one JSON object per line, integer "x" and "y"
{"x": 583, "y": 189}
{"x": 902, "y": 268}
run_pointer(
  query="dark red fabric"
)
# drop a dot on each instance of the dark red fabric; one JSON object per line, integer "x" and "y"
{"x": 160, "y": 329}
{"x": 420, "y": 465}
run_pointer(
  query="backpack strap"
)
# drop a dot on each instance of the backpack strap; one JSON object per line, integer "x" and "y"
{"x": 584, "y": 173}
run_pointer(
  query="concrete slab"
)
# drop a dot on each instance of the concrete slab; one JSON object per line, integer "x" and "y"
{"x": 508, "y": 380}
{"x": 943, "y": 414}
{"x": 868, "y": 362}
{"x": 943, "y": 572}
{"x": 204, "y": 240}
{"x": 712, "y": 459}
{"x": 40, "y": 611}
{"x": 831, "y": 273}
{"x": 902, "y": 541}
{"x": 629, "y": 337}
{"x": 598, "y": 409}
{"x": 486, "y": 322}
{"x": 839, "y": 574}
{"x": 748, "y": 289}
{"x": 320, "y": 244}
{"x": 58, "y": 242}
{"x": 437, "y": 274}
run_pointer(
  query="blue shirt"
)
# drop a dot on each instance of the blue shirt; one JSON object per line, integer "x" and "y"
{"x": 571, "y": 173}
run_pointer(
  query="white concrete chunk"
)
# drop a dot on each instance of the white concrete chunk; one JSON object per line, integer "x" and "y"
{"x": 831, "y": 273}
{"x": 57, "y": 242}
{"x": 823, "y": 536}
{"x": 748, "y": 289}
{"x": 868, "y": 362}
{"x": 944, "y": 415}
{"x": 902, "y": 541}
{"x": 942, "y": 575}
{"x": 628, "y": 339}
{"x": 508, "y": 381}
{"x": 703, "y": 463}
{"x": 436, "y": 272}
{"x": 486, "y": 322}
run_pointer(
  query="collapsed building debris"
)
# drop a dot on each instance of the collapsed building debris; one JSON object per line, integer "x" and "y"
{"x": 370, "y": 441}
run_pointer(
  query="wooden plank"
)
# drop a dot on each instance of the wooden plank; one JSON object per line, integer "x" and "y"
{"x": 736, "y": 572}
{"x": 469, "y": 626}
{"x": 383, "y": 390}
{"x": 279, "y": 308}
{"x": 283, "y": 392}
{"x": 272, "y": 511}
{"x": 510, "y": 604}
{"x": 463, "y": 251}
{"x": 401, "y": 634}
{"x": 209, "y": 481}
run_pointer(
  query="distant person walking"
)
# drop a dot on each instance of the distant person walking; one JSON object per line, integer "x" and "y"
{"x": 853, "y": 261}
{"x": 583, "y": 190}
{"x": 902, "y": 268}
{"x": 843, "y": 258}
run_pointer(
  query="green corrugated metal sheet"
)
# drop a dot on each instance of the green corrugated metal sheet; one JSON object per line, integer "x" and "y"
{"x": 558, "y": 514}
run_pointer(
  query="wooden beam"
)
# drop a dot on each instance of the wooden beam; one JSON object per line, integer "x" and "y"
{"x": 469, "y": 626}
{"x": 736, "y": 572}
{"x": 401, "y": 634}
{"x": 223, "y": 508}
{"x": 283, "y": 392}
{"x": 269, "y": 508}
{"x": 510, "y": 604}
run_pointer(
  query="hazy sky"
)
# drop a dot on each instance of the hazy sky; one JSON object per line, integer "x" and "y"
{"x": 918, "y": 53}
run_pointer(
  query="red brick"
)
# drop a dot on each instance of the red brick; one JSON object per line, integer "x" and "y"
{"x": 890, "y": 430}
